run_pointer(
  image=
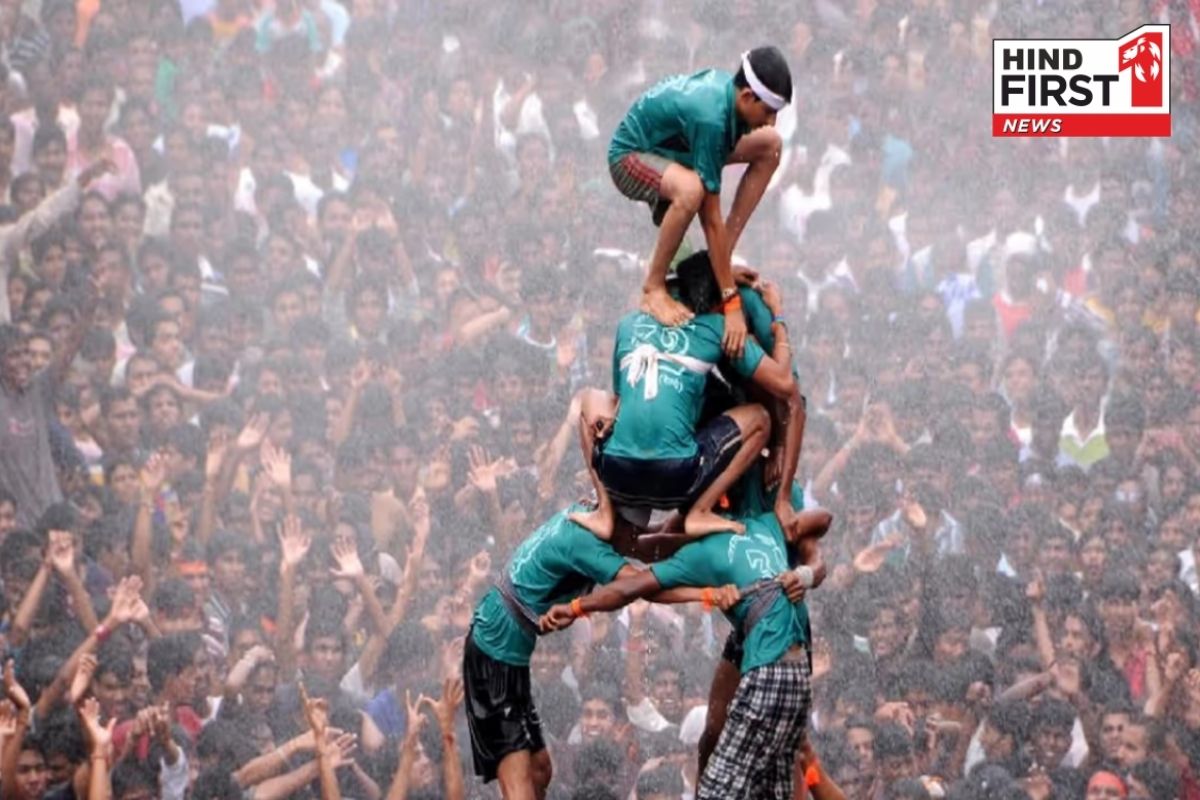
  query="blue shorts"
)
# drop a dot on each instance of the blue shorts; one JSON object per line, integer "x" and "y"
{"x": 670, "y": 483}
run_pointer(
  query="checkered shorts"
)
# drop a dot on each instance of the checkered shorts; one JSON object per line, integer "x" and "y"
{"x": 756, "y": 753}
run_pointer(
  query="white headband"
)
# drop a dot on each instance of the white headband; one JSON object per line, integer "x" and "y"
{"x": 773, "y": 101}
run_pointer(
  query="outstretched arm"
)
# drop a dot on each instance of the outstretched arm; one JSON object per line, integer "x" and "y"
{"x": 628, "y": 586}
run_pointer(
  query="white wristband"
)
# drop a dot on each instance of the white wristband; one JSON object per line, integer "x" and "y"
{"x": 806, "y": 575}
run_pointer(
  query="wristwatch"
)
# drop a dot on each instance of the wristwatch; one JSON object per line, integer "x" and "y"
{"x": 727, "y": 294}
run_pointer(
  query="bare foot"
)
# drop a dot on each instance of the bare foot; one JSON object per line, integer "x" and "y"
{"x": 599, "y": 522}
{"x": 664, "y": 308}
{"x": 702, "y": 523}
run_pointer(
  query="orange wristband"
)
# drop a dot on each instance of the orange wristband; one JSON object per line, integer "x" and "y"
{"x": 577, "y": 608}
{"x": 732, "y": 304}
{"x": 812, "y": 774}
{"x": 707, "y": 598}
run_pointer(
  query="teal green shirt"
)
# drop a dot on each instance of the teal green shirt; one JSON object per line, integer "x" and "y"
{"x": 758, "y": 317}
{"x": 749, "y": 496}
{"x": 758, "y": 322}
{"x": 664, "y": 425}
{"x": 689, "y": 119}
{"x": 724, "y": 558}
{"x": 557, "y": 563}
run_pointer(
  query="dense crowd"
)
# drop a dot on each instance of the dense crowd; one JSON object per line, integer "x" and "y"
{"x": 298, "y": 302}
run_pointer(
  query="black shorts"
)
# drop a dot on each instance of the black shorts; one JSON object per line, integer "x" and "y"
{"x": 500, "y": 712}
{"x": 671, "y": 483}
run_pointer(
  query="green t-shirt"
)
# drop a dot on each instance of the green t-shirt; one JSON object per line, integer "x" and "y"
{"x": 723, "y": 558}
{"x": 664, "y": 425}
{"x": 689, "y": 119}
{"x": 557, "y": 563}
{"x": 758, "y": 317}
{"x": 758, "y": 322}
{"x": 749, "y": 496}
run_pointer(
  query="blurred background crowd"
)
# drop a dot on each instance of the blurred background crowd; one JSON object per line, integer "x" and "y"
{"x": 298, "y": 295}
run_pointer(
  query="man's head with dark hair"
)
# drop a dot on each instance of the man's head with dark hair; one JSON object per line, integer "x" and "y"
{"x": 58, "y": 517}
{"x": 594, "y": 791}
{"x": 324, "y": 649}
{"x": 227, "y": 555}
{"x": 134, "y": 780}
{"x": 1050, "y": 731}
{"x": 1082, "y": 632}
{"x": 1124, "y": 422}
{"x": 601, "y": 705}
{"x": 893, "y": 753}
{"x": 215, "y": 783}
{"x": 1049, "y": 411}
{"x": 1143, "y": 737}
{"x": 664, "y": 782}
{"x": 906, "y": 789}
{"x": 1119, "y": 585}
{"x": 598, "y": 760}
{"x": 224, "y": 743}
{"x": 697, "y": 286}
{"x": 175, "y": 607}
{"x": 31, "y": 767}
{"x": 171, "y": 668}
{"x": 62, "y": 744}
{"x": 110, "y": 681}
{"x": 1114, "y": 718}
{"x": 1154, "y": 780}
{"x": 1005, "y": 729}
{"x": 766, "y": 67}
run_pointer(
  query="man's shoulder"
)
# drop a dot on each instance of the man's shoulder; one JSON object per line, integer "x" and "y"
{"x": 560, "y": 531}
{"x": 642, "y": 327}
{"x": 633, "y": 318}
{"x": 684, "y": 82}
{"x": 706, "y": 82}
{"x": 708, "y": 328}
{"x": 712, "y": 551}
{"x": 763, "y": 524}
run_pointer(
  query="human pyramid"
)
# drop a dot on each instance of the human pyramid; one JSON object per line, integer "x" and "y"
{"x": 703, "y": 384}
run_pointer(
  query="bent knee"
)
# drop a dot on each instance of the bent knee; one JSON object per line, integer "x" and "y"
{"x": 543, "y": 768}
{"x": 758, "y": 421}
{"x": 691, "y": 198}
{"x": 816, "y": 522}
{"x": 686, "y": 190}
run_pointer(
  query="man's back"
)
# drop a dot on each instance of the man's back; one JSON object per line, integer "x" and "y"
{"x": 690, "y": 119}
{"x": 661, "y": 404}
{"x": 742, "y": 560}
{"x": 557, "y": 562}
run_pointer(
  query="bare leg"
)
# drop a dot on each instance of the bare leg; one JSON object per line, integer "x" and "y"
{"x": 597, "y": 411}
{"x": 682, "y": 187}
{"x": 720, "y": 695}
{"x": 516, "y": 776}
{"x": 761, "y": 149}
{"x": 543, "y": 770}
{"x": 755, "y": 424}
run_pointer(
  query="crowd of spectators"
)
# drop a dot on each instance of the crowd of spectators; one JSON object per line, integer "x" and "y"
{"x": 296, "y": 299}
